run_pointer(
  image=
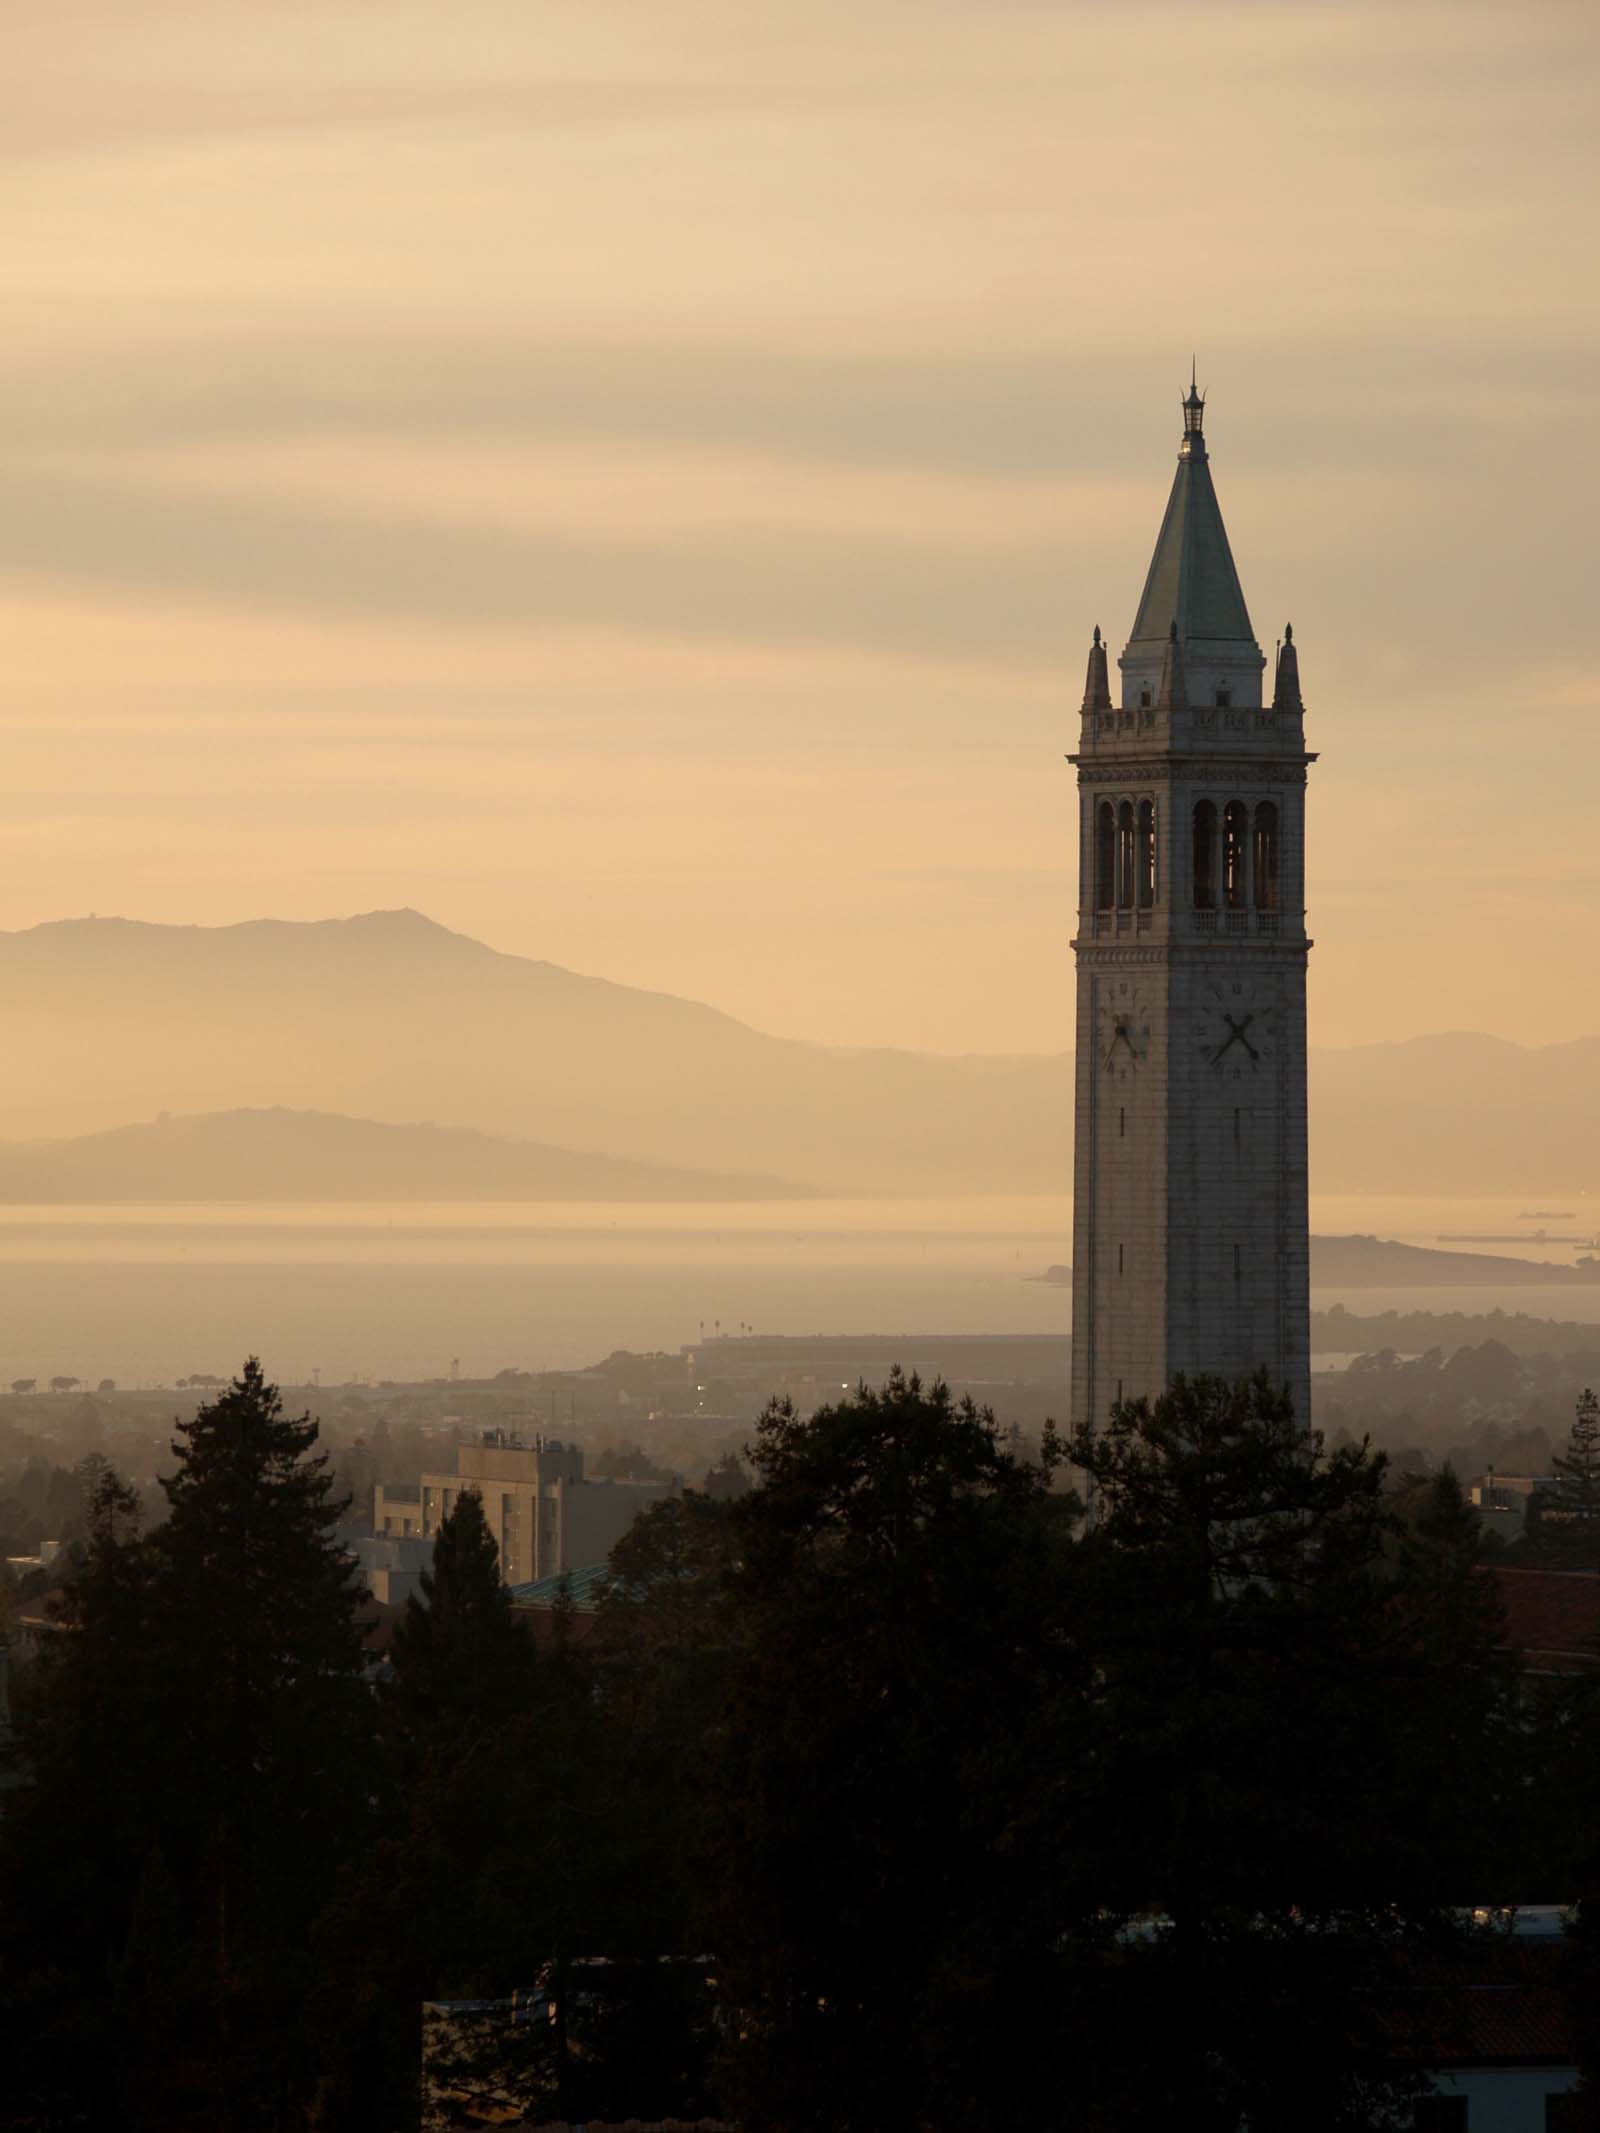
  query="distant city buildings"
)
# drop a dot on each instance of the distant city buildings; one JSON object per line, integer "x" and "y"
{"x": 20, "y": 1565}
{"x": 544, "y": 1516}
{"x": 392, "y": 1564}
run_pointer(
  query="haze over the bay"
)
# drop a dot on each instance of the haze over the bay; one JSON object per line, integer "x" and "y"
{"x": 637, "y": 482}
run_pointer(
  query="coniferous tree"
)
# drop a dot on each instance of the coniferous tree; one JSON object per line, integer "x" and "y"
{"x": 460, "y": 1660}
{"x": 73, "y": 1836}
{"x": 257, "y": 1608}
{"x": 202, "y": 1764}
{"x": 463, "y": 1681}
{"x": 268, "y": 1777}
{"x": 1562, "y": 1527}
{"x": 1578, "y": 1467}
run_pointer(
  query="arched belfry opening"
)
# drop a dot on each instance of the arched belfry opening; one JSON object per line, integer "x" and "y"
{"x": 1147, "y": 855}
{"x": 1105, "y": 856}
{"x": 1266, "y": 856}
{"x": 1235, "y": 844}
{"x": 1125, "y": 856}
{"x": 1205, "y": 855}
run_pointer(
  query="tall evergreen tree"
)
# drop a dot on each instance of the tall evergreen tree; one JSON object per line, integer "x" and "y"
{"x": 459, "y": 1658}
{"x": 463, "y": 1682}
{"x": 257, "y": 1610}
{"x": 1578, "y": 1467}
{"x": 202, "y": 1765}
{"x": 268, "y": 1774}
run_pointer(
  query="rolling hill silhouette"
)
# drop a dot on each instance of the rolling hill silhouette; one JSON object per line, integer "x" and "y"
{"x": 393, "y": 1018}
{"x": 284, "y": 1155}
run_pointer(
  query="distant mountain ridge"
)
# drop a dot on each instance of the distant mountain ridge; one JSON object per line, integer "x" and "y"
{"x": 392, "y": 1018}
{"x": 300, "y": 1156}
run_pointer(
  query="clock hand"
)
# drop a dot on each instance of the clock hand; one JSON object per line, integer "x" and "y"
{"x": 1236, "y": 1035}
{"x": 1244, "y": 1040}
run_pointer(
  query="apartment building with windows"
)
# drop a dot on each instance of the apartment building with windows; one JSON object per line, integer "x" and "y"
{"x": 544, "y": 1515}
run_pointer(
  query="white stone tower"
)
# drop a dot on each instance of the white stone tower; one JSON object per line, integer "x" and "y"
{"x": 1190, "y": 1248}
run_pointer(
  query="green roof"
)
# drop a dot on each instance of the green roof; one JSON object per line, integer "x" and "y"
{"x": 585, "y": 1587}
{"x": 1192, "y": 578}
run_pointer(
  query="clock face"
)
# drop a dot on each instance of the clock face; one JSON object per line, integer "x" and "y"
{"x": 1123, "y": 1020}
{"x": 1238, "y": 1027}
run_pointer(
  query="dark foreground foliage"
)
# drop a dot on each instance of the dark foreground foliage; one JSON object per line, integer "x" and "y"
{"x": 893, "y": 1794}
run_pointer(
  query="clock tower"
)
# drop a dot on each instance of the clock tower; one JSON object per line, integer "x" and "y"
{"x": 1190, "y": 1249}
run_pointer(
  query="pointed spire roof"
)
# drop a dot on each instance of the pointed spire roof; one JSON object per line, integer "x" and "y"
{"x": 1097, "y": 686}
{"x": 1286, "y": 681}
{"x": 1192, "y": 580}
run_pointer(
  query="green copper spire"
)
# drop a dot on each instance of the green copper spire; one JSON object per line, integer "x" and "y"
{"x": 1192, "y": 581}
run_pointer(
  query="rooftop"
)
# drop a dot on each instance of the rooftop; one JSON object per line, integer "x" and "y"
{"x": 1192, "y": 582}
{"x": 1553, "y": 1616}
{"x": 584, "y": 1588}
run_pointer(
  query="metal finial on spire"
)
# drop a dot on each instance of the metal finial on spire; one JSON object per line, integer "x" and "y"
{"x": 1288, "y": 633}
{"x": 1097, "y": 633}
{"x": 1194, "y": 407}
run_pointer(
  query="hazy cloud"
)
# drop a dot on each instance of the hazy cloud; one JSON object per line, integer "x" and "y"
{"x": 652, "y": 472}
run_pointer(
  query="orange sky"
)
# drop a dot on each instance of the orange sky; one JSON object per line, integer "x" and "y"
{"x": 636, "y": 481}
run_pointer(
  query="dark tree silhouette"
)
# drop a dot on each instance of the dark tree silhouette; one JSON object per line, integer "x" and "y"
{"x": 459, "y": 1659}
{"x": 1282, "y": 1668}
{"x": 204, "y": 1748}
{"x": 1578, "y": 1467}
{"x": 884, "y": 1894}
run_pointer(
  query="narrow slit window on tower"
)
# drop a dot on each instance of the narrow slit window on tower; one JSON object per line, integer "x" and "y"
{"x": 1125, "y": 856}
{"x": 1122, "y": 1124}
{"x": 1235, "y": 839}
{"x": 1266, "y": 856}
{"x": 1144, "y": 699}
{"x": 1205, "y": 856}
{"x": 1105, "y": 856}
{"x": 1147, "y": 854}
{"x": 1224, "y": 699}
